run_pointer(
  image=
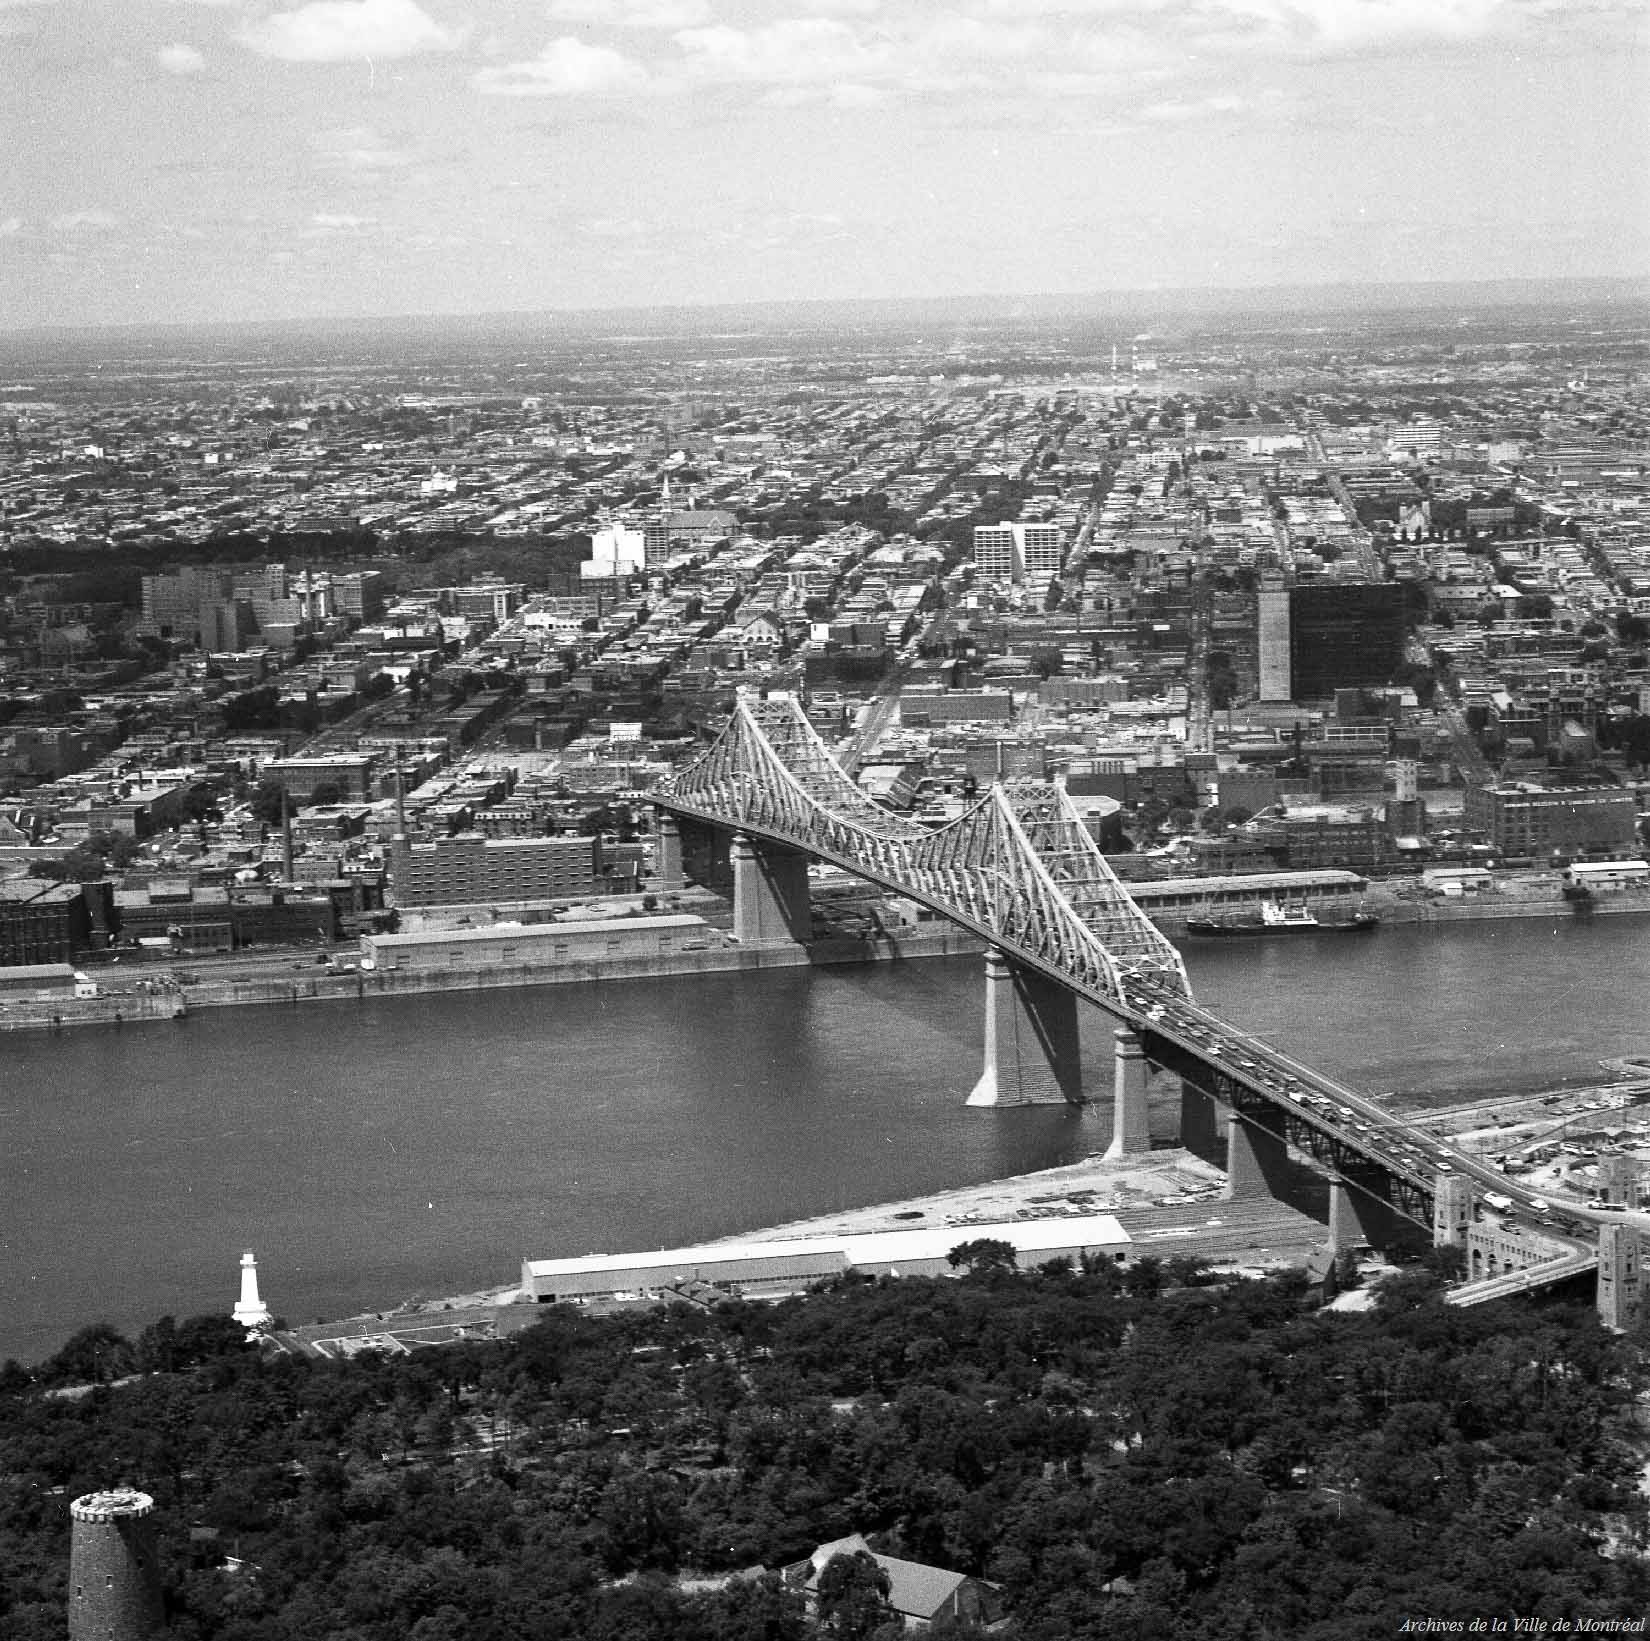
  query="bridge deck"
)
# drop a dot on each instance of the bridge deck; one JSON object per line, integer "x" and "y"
{"x": 1020, "y": 869}
{"x": 1511, "y": 1283}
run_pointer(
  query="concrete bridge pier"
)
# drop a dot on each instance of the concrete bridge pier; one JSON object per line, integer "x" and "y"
{"x": 705, "y": 854}
{"x": 1620, "y": 1292}
{"x": 1453, "y": 1198}
{"x": 1619, "y": 1180}
{"x": 1202, "y": 1121}
{"x": 1357, "y": 1217}
{"x": 667, "y": 853}
{"x": 1033, "y": 1049}
{"x": 1131, "y": 1121}
{"x": 1257, "y": 1160}
{"x": 770, "y": 894}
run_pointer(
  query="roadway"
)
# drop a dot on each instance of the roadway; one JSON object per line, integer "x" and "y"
{"x": 1343, "y": 1128}
{"x": 1394, "y": 1143}
{"x": 1157, "y": 1007}
{"x": 1509, "y": 1285}
{"x": 1469, "y": 756}
{"x": 875, "y": 715}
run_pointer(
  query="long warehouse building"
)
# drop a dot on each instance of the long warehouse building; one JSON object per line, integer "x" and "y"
{"x": 777, "y": 1267}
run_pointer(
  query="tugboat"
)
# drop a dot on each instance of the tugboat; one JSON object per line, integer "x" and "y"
{"x": 1276, "y": 919}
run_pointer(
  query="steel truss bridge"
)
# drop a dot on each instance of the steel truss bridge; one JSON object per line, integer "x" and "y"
{"x": 1020, "y": 869}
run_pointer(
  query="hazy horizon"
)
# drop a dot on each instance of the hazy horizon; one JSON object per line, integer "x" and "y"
{"x": 216, "y": 161}
{"x": 1233, "y": 304}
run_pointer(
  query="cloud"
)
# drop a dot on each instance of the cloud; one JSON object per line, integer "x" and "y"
{"x": 1281, "y": 27}
{"x": 854, "y": 63}
{"x": 616, "y": 228}
{"x": 846, "y": 94}
{"x": 662, "y": 14}
{"x": 339, "y": 222}
{"x": 1175, "y": 111}
{"x": 17, "y": 16}
{"x": 74, "y": 222}
{"x": 796, "y": 49}
{"x": 10, "y": 227}
{"x": 180, "y": 59}
{"x": 1113, "y": 55}
{"x": 1352, "y": 25}
{"x": 565, "y": 68}
{"x": 344, "y": 31}
{"x": 1073, "y": 48}
{"x": 357, "y": 149}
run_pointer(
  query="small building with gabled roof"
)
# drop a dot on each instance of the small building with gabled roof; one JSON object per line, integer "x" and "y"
{"x": 920, "y": 1594}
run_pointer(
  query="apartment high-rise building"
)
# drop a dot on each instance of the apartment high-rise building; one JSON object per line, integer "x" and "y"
{"x": 615, "y": 551}
{"x": 222, "y": 626}
{"x": 994, "y": 553}
{"x": 172, "y": 602}
{"x": 360, "y": 594}
{"x": 1013, "y": 554}
{"x": 1042, "y": 550}
{"x": 1272, "y": 633}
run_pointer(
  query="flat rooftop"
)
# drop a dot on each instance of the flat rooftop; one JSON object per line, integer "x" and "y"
{"x": 922, "y": 1242}
{"x": 534, "y": 931}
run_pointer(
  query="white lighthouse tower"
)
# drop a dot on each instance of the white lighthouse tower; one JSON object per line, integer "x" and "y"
{"x": 252, "y": 1313}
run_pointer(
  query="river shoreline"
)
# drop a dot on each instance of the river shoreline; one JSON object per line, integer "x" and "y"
{"x": 1170, "y": 1201}
{"x": 382, "y": 1151}
{"x": 132, "y": 1005}
{"x": 1168, "y": 1193}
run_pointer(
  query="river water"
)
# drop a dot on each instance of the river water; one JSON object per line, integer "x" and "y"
{"x": 422, "y": 1145}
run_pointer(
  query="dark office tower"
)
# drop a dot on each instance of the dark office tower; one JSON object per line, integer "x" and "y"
{"x": 1344, "y": 635}
{"x": 114, "y": 1578}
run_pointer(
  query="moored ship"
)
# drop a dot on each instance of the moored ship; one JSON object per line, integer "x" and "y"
{"x": 1272, "y": 918}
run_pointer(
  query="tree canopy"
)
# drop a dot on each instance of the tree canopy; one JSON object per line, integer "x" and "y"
{"x": 1122, "y": 1455}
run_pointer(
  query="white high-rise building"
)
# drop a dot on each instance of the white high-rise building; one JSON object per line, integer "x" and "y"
{"x": 994, "y": 554}
{"x": 1042, "y": 550}
{"x": 1273, "y": 639}
{"x": 614, "y": 551}
{"x": 1010, "y": 554}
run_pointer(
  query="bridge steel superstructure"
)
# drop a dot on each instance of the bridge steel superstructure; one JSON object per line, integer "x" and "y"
{"x": 1020, "y": 869}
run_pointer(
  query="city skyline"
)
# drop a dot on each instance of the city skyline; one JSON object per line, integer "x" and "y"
{"x": 248, "y": 159}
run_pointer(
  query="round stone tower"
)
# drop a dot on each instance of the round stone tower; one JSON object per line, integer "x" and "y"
{"x": 114, "y": 1578}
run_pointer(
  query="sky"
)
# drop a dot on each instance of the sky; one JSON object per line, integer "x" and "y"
{"x": 185, "y": 160}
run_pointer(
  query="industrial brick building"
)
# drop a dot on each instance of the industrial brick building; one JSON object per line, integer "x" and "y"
{"x": 1524, "y": 818}
{"x": 43, "y": 922}
{"x": 469, "y": 870}
{"x": 534, "y": 945}
{"x": 350, "y": 773}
